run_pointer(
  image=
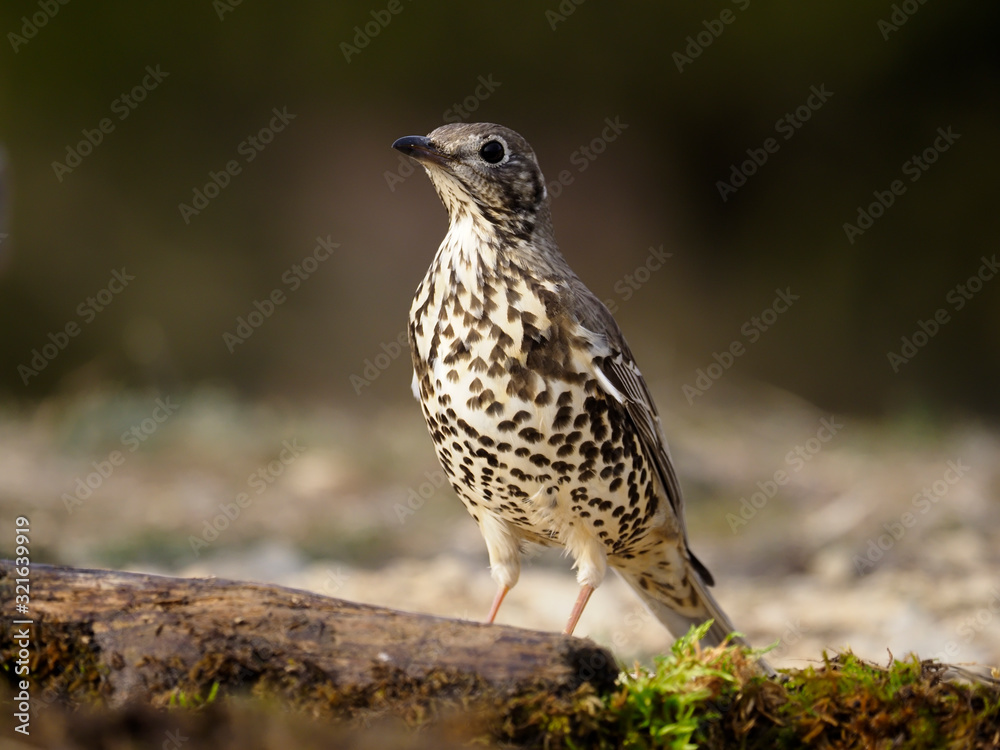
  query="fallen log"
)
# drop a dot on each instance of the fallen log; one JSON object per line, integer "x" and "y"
{"x": 114, "y": 637}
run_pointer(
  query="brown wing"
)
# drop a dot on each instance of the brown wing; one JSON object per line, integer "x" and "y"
{"x": 620, "y": 378}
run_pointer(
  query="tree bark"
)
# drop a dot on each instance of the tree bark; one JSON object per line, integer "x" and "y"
{"x": 121, "y": 637}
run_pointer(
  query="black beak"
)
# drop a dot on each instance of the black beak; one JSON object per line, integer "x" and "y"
{"x": 420, "y": 148}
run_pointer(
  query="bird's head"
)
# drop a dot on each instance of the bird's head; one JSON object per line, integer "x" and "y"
{"x": 485, "y": 172}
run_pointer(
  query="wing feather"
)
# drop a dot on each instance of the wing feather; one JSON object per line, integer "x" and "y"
{"x": 618, "y": 375}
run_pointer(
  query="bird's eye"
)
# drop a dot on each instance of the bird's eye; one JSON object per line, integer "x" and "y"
{"x": 492, "y": 152}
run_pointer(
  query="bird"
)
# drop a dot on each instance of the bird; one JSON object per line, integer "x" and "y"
{"x": 537, "y": 409}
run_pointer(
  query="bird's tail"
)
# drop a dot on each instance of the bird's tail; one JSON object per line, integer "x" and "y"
{"x": 681, "y": 607}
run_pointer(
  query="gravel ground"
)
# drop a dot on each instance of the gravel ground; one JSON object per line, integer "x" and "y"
{"x": 823, "y": 531}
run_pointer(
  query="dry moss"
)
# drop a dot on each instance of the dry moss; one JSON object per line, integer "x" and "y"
{"x": 64, "y": 661}
{"x": 712, "y": 698}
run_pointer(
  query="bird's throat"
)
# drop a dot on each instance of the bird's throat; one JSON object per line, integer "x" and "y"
{"x": 470, "y": 244}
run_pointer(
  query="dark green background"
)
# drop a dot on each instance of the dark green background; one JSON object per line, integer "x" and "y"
{"x": 324, "y": 175}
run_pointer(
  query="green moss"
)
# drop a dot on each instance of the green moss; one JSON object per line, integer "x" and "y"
{"x": 908, "y": 704}
{"x": 691, "y": 697}
{"x": 64, "y": 663}
{"x": 181, "y": 699}
{"x": 715, "y": 698}
{"x": 680, "y": 703}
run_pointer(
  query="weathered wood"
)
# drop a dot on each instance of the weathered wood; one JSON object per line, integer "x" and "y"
{"x": 123, "y": 637}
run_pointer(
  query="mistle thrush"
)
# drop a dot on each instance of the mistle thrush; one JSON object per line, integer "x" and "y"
{"x": 538, "y": 412}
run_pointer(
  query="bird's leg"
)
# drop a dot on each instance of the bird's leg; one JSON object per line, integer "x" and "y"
{"x": 591, "y": 562}
{"x": 505, "y": 556}
{"x": 497, "y": 600}
{"x": 581, "y": 601}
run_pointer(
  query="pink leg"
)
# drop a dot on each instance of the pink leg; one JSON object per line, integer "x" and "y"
{"x": 501, "y": 593}
{"x": 581, "y": 602}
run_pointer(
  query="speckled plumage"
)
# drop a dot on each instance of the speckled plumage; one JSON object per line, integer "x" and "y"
{"x": 537, "y": 410}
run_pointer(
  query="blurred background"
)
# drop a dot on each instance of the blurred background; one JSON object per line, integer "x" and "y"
{"x": 208, "y": 251}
